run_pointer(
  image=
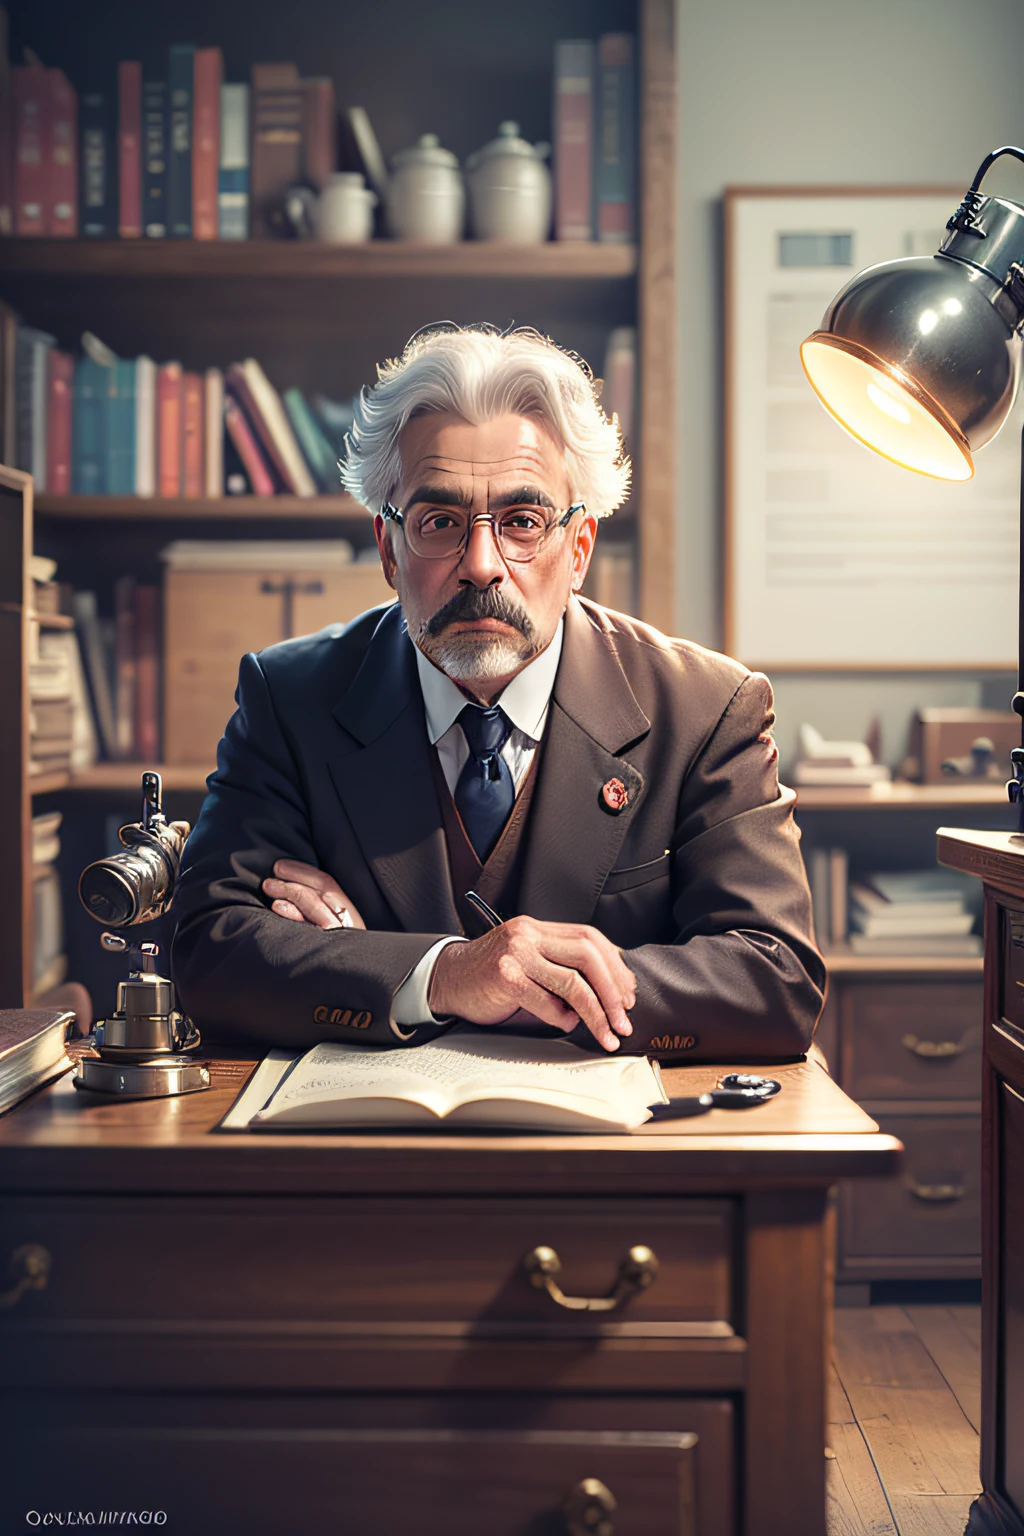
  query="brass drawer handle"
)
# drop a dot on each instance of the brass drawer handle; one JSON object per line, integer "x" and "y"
{"x": 588, "y": 1507}
{"x": 638, "y": 1270}
{"x": 936, "y": 1192}
{"x": 30, "y": 1269}
{"x": 937, "y": 1050}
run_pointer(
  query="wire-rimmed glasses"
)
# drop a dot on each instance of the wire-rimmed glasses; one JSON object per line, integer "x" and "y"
{"x": 440, "y": 533}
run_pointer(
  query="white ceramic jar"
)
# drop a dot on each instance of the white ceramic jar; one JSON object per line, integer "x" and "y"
{"x": 510, "y": 189}
{"x": 345, "y": 210}
{"x": 426, "y": 196}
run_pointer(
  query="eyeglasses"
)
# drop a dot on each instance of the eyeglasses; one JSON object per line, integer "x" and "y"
{"x": 439, "y": 533}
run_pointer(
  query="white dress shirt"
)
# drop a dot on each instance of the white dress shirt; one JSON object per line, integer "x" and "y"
{"x": 526, "y": 702}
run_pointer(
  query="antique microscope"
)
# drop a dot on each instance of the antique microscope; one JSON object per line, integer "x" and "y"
{"x": 147, "y": 1048}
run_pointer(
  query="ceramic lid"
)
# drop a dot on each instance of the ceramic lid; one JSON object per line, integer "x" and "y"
{"x": 508, "y": 142}
{"x": 426, "y": 151}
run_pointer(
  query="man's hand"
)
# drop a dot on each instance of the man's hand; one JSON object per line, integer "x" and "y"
{"x": 306, "y": 894}
{"x": 562, "y": 973}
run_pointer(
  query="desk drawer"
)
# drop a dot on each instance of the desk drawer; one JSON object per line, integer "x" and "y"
{"x": 360, "y": 1262}
{"x": 928, "y": 1217}
{"x": 477, "y": 1466}
{"x": 908, "y": 1040}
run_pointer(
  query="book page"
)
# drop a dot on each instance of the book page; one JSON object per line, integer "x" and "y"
{"x": 463, "y": 1069}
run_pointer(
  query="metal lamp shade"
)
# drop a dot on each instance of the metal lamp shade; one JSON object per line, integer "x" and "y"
{"x": 920, "y": 359}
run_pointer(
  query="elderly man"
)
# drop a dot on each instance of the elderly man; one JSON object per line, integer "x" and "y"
{"x": 495, "y": 801}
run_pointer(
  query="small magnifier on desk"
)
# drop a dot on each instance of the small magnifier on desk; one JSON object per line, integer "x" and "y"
{"x": 147, "y": 1048}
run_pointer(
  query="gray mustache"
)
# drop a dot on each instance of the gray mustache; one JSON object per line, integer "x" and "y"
{"x": 473, "y": 603}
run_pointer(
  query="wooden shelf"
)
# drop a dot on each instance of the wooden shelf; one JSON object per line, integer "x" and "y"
{"x": 156, "y": 508}
{"x": 53, "y": 620}
{"x": 47, "y": 783}
{"x": 841, "y": 961}
{"x": 228, "y": 259}
{"x": 900, "y": 796}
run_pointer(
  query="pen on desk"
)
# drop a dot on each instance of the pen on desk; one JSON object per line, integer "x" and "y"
{"x": 487, "y": 912}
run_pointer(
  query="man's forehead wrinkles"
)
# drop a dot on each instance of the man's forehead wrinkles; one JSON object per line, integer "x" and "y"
{"x": 446, "y": 465}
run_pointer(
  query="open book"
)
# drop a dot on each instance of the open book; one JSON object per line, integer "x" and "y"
{"x": 464, "y": 1078}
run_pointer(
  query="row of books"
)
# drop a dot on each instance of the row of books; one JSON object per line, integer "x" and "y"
{"x": 104, "y": 425}
{"x": 175, "y": 157}
{"x": 192, "y": 156}
{"x": 595, "y": 139}
{"x": 892, "y": 912}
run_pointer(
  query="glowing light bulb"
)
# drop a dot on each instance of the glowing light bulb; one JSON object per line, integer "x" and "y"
{"x": 885, "y": 402}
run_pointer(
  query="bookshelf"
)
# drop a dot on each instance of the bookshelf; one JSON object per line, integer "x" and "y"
{"x": 320, "y": 316}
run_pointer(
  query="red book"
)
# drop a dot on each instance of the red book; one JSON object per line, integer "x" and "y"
{"x": 208, "y": 69}
{"x": 192, "y": 457}
{"x": 125, "y": 675}
{"x": 58, "y": 422}
{"x": 319, "y": 118}
{"x": 31, "y": 149}
{"x": 574, "y": 140}
{"x": 245, "y": 446}
{"x": 63, "y": 188}
{"x": 147, "y": 675}
{"x": 168, "y": 430}
{"x": 129, "y": 149}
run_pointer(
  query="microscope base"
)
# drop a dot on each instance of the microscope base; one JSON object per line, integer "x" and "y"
{"x": 159, "y": 1078}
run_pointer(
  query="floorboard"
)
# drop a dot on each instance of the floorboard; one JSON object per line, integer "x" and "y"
{"x": 903, "y": 1421}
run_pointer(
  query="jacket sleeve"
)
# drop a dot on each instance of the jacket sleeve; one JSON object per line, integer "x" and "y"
{"x": 242, "y": 972}
{"x": 743, "y": 978}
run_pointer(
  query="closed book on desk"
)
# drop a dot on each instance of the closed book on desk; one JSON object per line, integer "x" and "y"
{"x": 465, "y": 1078}
{"x": 31, "y": 1050}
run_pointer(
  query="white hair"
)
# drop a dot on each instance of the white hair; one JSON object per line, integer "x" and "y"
{"x": 479, "y": 373}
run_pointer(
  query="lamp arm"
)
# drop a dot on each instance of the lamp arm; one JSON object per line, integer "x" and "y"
{"x": 990, "y": 160}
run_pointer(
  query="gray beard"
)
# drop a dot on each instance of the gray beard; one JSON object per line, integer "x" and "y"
{"x": 477, "y": 659}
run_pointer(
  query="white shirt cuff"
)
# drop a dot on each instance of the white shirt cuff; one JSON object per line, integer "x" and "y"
{"x": 409, "y": 1004}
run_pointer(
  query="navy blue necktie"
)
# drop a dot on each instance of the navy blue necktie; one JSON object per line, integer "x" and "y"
{"x": 485, "y": 793}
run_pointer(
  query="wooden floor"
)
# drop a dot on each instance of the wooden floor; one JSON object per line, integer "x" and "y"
{"x": 904, "y": 1420}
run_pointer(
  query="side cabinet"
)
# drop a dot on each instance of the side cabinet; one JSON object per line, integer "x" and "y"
{"x": 908, "y": 1049}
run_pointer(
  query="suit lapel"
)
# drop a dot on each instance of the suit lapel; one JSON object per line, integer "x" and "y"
{"x": 574, "y": 839}
{"x": 383, "y": 778}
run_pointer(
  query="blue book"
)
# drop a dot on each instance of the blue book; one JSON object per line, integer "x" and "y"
{"x": 89, "y": 428}
{"x": 615, "y": 139}
{"x": 97, "y": 175}
{"x": 121, "y": 429}
{"x": 154, "y": 159}
{"x": 233, "y": 172}
{"x": 179, "y": 153}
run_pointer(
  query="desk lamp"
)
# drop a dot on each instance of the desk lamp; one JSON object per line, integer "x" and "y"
{"x": 920, "y": 359}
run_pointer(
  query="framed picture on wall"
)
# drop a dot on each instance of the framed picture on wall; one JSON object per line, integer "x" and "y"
{"x": 834, "y": 557}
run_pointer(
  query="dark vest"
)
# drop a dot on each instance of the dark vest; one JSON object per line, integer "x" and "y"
{"x": 498, "y": 880}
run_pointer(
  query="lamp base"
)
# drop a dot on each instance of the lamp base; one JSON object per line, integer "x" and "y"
{"x": 159, "y": 1078}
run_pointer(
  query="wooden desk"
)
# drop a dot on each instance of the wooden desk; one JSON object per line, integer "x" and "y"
{"x": 336, "y": 1334}
{"x": 997, "y": 858}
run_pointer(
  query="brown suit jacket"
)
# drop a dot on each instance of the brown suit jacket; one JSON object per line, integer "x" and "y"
{"x": 699, "y": 878}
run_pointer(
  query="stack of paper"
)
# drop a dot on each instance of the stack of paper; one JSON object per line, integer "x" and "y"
{"x": 913, "y": 912}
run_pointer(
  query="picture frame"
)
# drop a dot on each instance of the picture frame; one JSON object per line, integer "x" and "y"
{"x": 834, "y": 558}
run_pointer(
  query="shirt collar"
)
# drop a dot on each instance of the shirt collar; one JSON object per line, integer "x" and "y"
{"x": 525, "y": 700}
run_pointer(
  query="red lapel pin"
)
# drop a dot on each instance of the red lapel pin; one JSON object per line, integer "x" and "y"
{"x": 614, "y": 796}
